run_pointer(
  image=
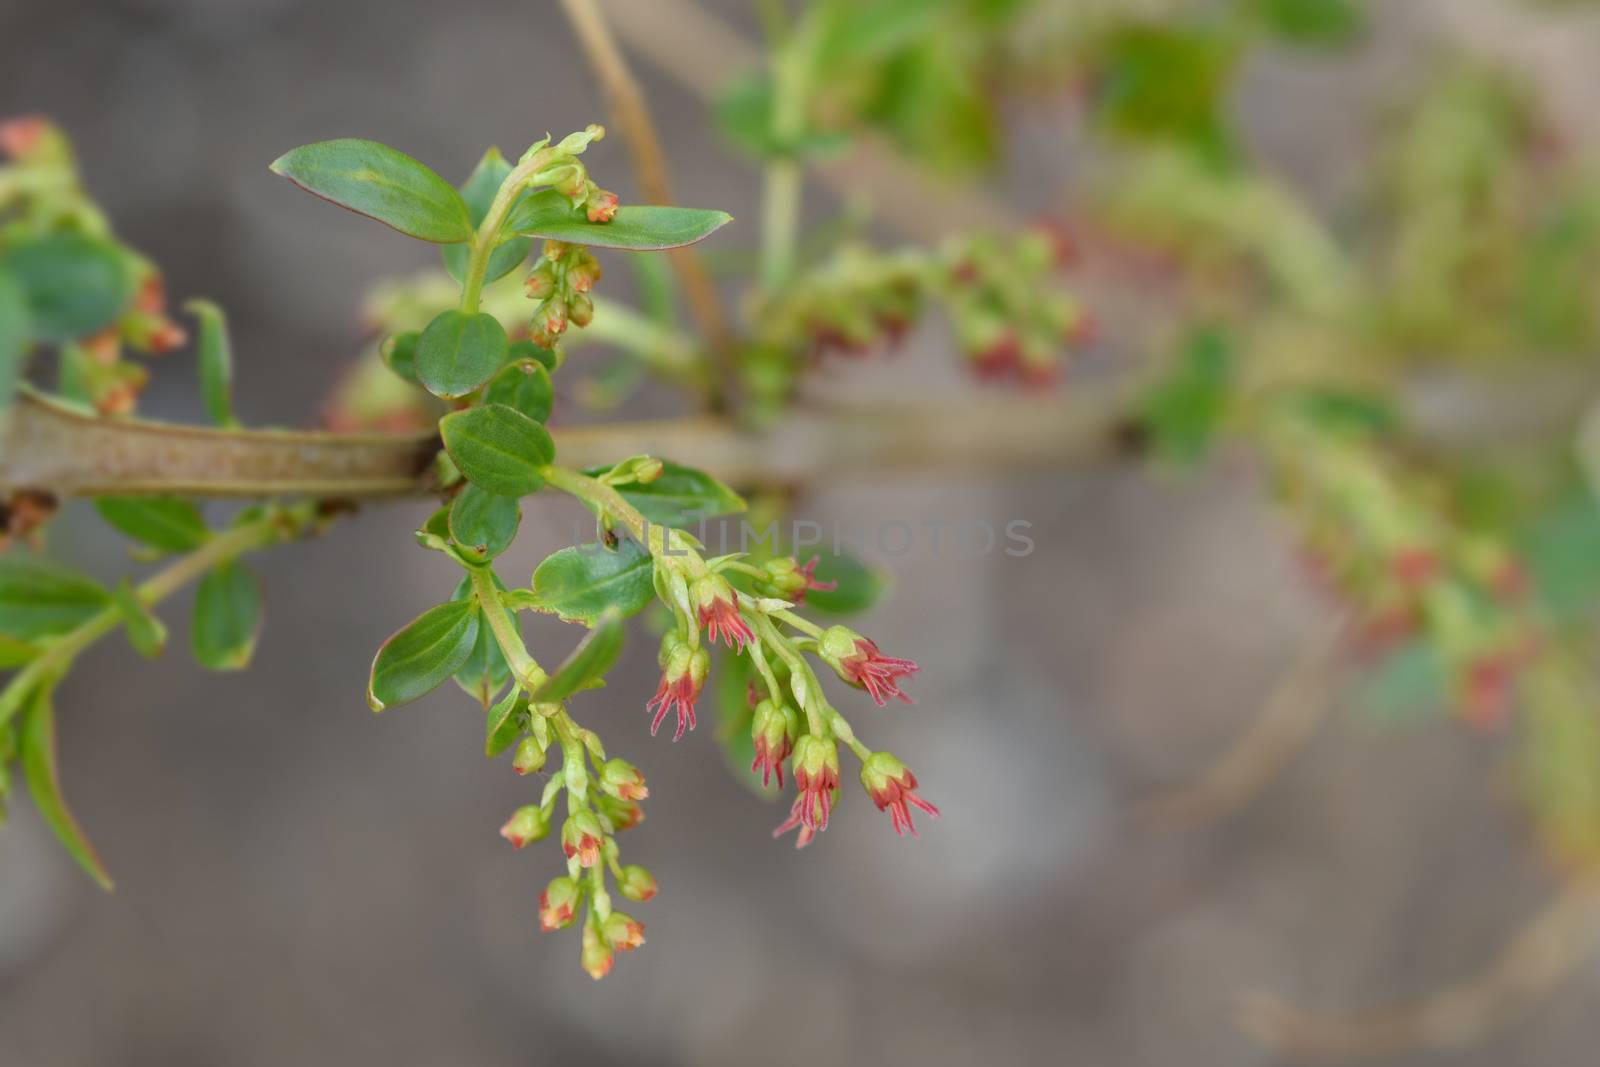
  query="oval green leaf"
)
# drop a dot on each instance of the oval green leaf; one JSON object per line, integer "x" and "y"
{"x": 504, "y": 723}
{"x": 643, "y": 228}
{"x": 74, "y": 285}
{"x": 585, "y": 668}
{"x": 459, "y": 352}
{"x": 418, "y": 658}
{"x": 39, "y": 599}
{"x": 381, "y": 183}
{"x": 482, "y": 524}
{"x": 680, "y": 496}
{"x": 227, "y": 617}
{"x": 165, "y": 523}
{"x": 525, "y": 386}
{"x": 399, "y": 354}
{"x": 581, "y": 583}
{"x": 485, "y": 672}
{"x": 498, "y": 448}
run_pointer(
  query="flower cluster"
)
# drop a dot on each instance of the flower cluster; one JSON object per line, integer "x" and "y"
{"x": 48, "y": 225}
{"x": 1012, "y": 317}
{"x": 1013, "y": 321}
{"x": 793, "y": 725}
{"x": 1405, "y": 571}
{"x": 603, "y": 798}
{"x": 561, "y": 282}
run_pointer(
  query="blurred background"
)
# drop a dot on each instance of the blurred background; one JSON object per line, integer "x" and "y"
{"x": 300, "y": 882}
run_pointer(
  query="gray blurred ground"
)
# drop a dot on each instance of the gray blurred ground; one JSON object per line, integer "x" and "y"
{"x": 300, "y": 882}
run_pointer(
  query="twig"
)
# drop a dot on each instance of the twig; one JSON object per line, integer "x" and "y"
{"x": 1285, "y": 724}
{"x": 1546, "y": 950}
{"x": 626, "y": 103}
{"x": 70, "y": 452}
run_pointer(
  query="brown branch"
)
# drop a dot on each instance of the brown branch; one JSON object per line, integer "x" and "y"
{"x": 1284, "y": 726}
{"x": 64, "y": 450}
{"x": 626, "y": 104}
{"x": 1543, "y": 953}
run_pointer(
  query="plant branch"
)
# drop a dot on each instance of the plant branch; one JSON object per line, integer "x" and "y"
{"x": 67, "y": 451}
{"x": 54, "y": 661}
{"x": 626, "y": 104}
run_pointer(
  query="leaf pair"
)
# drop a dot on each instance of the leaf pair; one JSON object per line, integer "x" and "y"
{"x": 385, "y": 184}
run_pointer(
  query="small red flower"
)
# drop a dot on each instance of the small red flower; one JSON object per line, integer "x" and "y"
{"x": 601, "y": 206}
{"x": 892, "y": 787}
{"x": 623, "y": 932}
{"x": 684, "y": 671}
{"x": 636, "y": 883}
{"x": 786, "y": 578}
{"x": 19, "y": 138}
{"x": 858, "y": 661}
{"x": 558, "y": 903}
{"x": 621, "y": 779}
{"x": 528, "y": 823}
{"x": 581, "y": 836}
{"x": 816, "y": 775}
{"x": 717, "y": 609}
{"x": 596, "y": 958}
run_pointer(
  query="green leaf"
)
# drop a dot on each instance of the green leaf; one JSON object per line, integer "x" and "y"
{"x": 459, "y": 352}
{"x": 74, "y": 285}
{"x": 418, "y": 658}
{"x": 146, "y": 633}
{"x": 479, "y": 191}
{"x": 585, "y": 668}
{"x": 1410, "y": 683}
{"x": 227, "y": 617}
{"x": 1311, "y": 21}
{"x": 523, "y": 351}
{"x": 485, "y": 672}
{"x": 165, "y": 523}
{"x": 399, "y": 354}
{"x": 39, "y": 599}
{"x": 435, "y": 533}
{"x": 381, "y": 183}
{"x": 634, "y": 229}
{"x": 681, "y": 496}
{"x": 525, "y": 386}
{"x": 498, "y": 448}
{"x": 505, "y": 723}
{"x": 1183, "y": 413}
{"x": 582, "y": 582}
{"x": 44, "y": 783}
{"x": 13, "y": 336}
{"x": 216, "y": 361}
{"x": 483, "y": 524}
{"x": 15, "y": 653}
{"x": 857, "y": 586}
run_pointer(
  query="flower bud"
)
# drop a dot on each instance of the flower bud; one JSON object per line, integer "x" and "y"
{"x": 621, "y": 779}
{"x": 583, "y": 272}
{"x": 580, "y": 310}
{"x": 596, "y": 957}
{"x": 773, "y": 729}
{"x": 647, "y": 470}
{"x": 581, "y": 836}
{"x": 527, "y": 823}
{"x": 541, "y": 281}
{"x": 621, "y": 814}
{"x": 622, "y": 931}
{"x": 558, "y": 904}
{"x": 636, "y": 883}
{"x": 529, "y": 757}
{"x": 601, "y": 206}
